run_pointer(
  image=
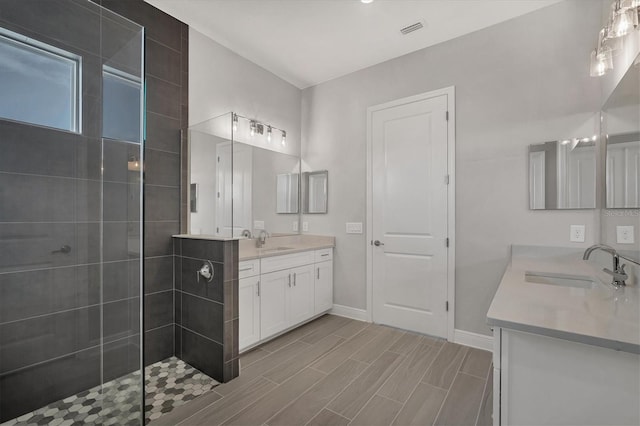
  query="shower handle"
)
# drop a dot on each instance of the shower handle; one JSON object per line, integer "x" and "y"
{"x": 205, "y": 271}
{"x": 65, "y": 249}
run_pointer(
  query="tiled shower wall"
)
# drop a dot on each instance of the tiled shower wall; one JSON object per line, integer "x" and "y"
{"x": 66, "y": 320}
{"x": 167, "y": 59}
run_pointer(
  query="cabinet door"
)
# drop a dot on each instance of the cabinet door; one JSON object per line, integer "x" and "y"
{"x": 274, "y": 292}
{"x": 249, "y": 311}
{"x": 323, "y": 286}
{"x": 301, "y": 294}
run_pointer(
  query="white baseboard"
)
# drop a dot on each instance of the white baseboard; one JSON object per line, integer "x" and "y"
{"x": 475, "y": 340}
{"x": 349, "y": 312}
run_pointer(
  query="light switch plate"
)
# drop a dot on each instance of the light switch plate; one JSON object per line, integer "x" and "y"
{"x": 258, "y": 224}
{"x": 305, "y": 226}
{"x": 295, "y": 226}
{"x": 624, "y": 234}
{"x": 577, "y": 233}
{"x": 354, "y": 227}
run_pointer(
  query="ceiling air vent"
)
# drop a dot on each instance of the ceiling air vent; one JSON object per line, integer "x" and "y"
{"x": 411, "y": 28}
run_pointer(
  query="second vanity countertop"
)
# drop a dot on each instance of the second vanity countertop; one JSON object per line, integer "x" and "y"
{"x": 281, "y": 245}
{"x": 600, "y": 315}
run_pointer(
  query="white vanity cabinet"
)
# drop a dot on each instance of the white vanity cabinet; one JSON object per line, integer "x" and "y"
{"x": 249, "y": 302}
{"x": 291, "y": 289}
{"x": 323, "y": 281}
{"x": 544, "y": 380}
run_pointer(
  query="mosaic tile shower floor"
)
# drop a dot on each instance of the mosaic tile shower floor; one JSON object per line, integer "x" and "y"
{"x": 169, "y": 384}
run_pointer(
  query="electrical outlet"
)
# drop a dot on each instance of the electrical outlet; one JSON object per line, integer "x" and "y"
{"x": 258, "y": 224}
{"x": 305, "y": 226}
{"x": 577, "y": 233}
{"x": 295, "y": 226}
{"x": 624, "y": 234}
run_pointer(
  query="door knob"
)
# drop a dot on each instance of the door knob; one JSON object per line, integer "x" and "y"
{"x": 377, "y": 243}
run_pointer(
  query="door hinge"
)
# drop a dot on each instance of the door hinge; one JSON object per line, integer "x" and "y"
{"x": 218, "y": 194}
{"x": 446, "y": 180}
{"x": 446, "y": 241}
{"x": 217, "y": 230}
{"x": 218, "y": 158}
{"x": 446, "y": 305}
{"x": 447, "y": 116}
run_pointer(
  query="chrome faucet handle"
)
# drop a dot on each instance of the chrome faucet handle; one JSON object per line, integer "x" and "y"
{"x": 619, "y": 276}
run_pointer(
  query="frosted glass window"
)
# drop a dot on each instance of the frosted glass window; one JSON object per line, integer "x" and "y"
{"x": 39, "y": 83}
{"x": 121, "y": 112}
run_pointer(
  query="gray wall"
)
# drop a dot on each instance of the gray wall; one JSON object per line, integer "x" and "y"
{"x": 520, "y": 82}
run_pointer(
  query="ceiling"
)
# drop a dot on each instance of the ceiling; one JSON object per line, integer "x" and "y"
{"x": 307, "y": 42}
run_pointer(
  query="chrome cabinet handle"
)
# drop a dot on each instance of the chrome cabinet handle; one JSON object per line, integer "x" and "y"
{"x": 318, "y": 272}
{"x": 246, "y": 269}
{"x": 294, "y": 278}
{"x": 258, "y": 288}
{"x": 289, "y": 280}
{"x": 65, "y": 249}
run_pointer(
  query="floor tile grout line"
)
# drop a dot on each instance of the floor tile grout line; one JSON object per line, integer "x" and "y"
{"x": 484, "y": 392}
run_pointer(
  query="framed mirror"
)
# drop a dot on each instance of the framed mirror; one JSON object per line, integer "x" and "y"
{"x": 287, "y": 190}
{"x": 315, "y": 192}
{"x": 562, "y": 174}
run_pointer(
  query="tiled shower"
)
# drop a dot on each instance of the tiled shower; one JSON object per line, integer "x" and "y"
{"x": 90, "y": 196}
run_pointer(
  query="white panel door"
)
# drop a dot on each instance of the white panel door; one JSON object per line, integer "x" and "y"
{"x": 301, "y": 306}
{"x": 409, "y": 216}
{"x": 274, "y": 288}
{"x": 248, "y": 311}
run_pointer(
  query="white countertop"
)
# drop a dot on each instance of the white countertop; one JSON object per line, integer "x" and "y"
{"x": 205, "y": 237}
{"x": 290, "y": 243}
{"x": 600, "y": 315}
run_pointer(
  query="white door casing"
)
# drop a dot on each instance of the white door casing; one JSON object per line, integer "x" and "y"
{"x": 410, "y": 210}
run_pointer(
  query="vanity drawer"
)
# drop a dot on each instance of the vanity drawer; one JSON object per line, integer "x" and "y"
{"x": 324, "y": 255}
{"x": 286, "y": 261}
{"x": 248, "y": 268}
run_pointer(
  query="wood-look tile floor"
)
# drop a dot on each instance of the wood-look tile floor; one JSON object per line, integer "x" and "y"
{"x": 337, "y": 371}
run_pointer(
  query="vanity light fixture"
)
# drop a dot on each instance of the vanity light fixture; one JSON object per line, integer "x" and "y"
{"x": 625, "y": 16}
{"x": 257, "y": 129}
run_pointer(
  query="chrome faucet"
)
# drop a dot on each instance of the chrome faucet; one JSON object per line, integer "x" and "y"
{"x": 245, "y": 233}
{"x": 618, "y": 273}
{"x": 262, "y": 238}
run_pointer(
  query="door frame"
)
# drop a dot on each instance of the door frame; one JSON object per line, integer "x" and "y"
{"x": 451, "y": 199}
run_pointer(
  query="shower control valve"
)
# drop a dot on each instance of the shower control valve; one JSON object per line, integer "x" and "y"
{"x": 205, "y": 271}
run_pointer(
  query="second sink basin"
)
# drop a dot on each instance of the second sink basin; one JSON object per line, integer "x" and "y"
{"x": 563, "y": 280}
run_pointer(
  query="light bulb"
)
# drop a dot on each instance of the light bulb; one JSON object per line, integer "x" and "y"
{"x": 269, "y": 134}
{"x": 284, "y": 138}
{"x": 252, "y": 128}
{"x": 235, "y": 122}
{"x": 621, "y": 24}
{"x": 366, "y": 1}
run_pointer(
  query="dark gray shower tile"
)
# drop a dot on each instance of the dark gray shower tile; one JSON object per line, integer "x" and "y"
{"x": 163, "y": 62}
{"x": 163, "y": 98}
{"x": 177, "y": 246}
{"x": 158, "y": 309}
{"x": 161, "y": 203}
{"x": 230, "y": 260}
{"x": 177, "y": 342}
{"x": 230, "y": 342}
{"x": 88, "y": 159}
{"x": 48, "y": 382}
{"x": 29, "y": 246}
{"x": 36, "y": 199}
{"x": 203, "y": 316}
{"x": 88, "y": 200}
{"x": 162, "y": 168}
{"x": 121, "y": 202}
{"x": 157, "y": 238}
{"x": 121, "y": 319}
{"x": 38, "y": 150}
{"x": 87, "y": 243}
{"x": 158, "y": 274}
{"x": 203, "y": 354}
{"x": 116, "y": 161}
{"x": 58, "y": 19}
{"x": 121, "y": 357}
{"x": 191, "y": 283}
{"x": 185, "y": 87}
{"x": 163, "y": 133}
{"x": 177, "y": 304}
{"x": 122, "y": 44}
{"x": 121, "y": 241}
{"x": 29, "y": 341}
{"x": 230, "y": 300}
{"x": 92, "y": 116}
{"x": 33, "y": 293}
{"x": 203, "y": 249}
{"x": 121, "y": 280}
{"x": 158, "y": 344}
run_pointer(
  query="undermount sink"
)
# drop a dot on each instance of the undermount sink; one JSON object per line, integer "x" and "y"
{"x": 563, "y": 280}
{"x": 277, "y": 249}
